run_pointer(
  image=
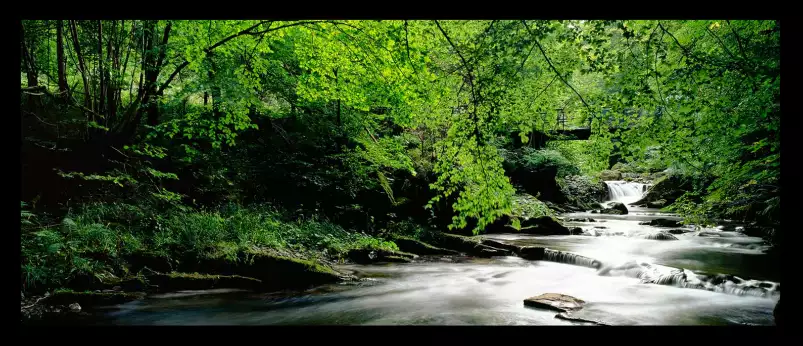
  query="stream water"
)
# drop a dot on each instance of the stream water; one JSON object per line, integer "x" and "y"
{"x": 642, "y": 281}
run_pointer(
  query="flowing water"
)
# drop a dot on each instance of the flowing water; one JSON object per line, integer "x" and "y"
{"x": 624, "y": 274}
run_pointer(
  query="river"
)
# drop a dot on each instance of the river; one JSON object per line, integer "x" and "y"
{"x": 642, "y": 281}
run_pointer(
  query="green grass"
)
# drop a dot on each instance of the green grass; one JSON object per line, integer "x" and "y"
{"x": 94, "y": 240}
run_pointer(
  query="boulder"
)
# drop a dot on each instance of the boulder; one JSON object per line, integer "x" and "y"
{"x": 468, "y": 245}
{"x": 277, "y": 271}
{"x": 616, "y": 208}
{"x": 420, "y": 248}
{"x": 661, "y": 236}
{"x": 533, "y": 253}
{"x": 544, "y": 225}
{"x": 596, "y": 206}
{"x": 555, "y": 301}
{"x": 575, "y": 231}
{"x": 608, "y": 175}
{"x": 661, "y": 223}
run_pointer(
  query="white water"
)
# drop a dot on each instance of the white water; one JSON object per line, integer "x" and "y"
{"x": 625, "y": 192}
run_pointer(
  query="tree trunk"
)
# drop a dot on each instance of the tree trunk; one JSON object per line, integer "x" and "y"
{"x": 28, "y": 59}
{"x": 81, "y": 65}
{"x": 101, "y": 74}
{"x": 61, "y": 61}
{"x": 337, "y": 90}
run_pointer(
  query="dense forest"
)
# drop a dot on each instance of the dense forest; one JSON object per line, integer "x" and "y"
{"x": 171, "y": 144}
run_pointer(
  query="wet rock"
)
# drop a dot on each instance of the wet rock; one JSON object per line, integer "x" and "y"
{"x": 677, "y": 231}
{"x": 532, "y": 253}
{"x": 661, "y": 236}
{"x": 568, "y": 317}
{"x": 420, "y": 248}
{"x": 74, "y": 307}
{"x": 608, "y": 175}
{"x": 657, "y": 204}
{"x": 596, "y": 206}
{"x": 600, "y": 227}
{"x": 555, "y": 301}
{"x": 581, "y": 219}
{"x": 544, "y": 225}
{"x": 595, "y": 211}
{"x": 616, "y": 208}
{"x": 468, "y": 245}
{"x": 661, "y": 223}
{"x": 576, "y": 231}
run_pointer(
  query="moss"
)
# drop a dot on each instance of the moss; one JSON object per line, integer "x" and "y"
{"x": 276, "y": 270}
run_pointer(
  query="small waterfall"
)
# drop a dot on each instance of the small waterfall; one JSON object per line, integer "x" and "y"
{"x": 570, "y": 258}
{"x": 618, "y": 190}
{"x": 625, "y": 192}
{"x": 683, "y": 278}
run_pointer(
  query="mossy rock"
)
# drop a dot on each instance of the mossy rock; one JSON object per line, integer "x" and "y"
{"x": 88, "y": 299}
{"x": 194, "y": 281}
{"x": 420, "y": 248}
{"x": 277, "y": 272}
{"x": 608, "y": 175}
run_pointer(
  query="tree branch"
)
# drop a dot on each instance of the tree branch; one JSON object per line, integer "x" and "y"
{"x": 554, "y": 69}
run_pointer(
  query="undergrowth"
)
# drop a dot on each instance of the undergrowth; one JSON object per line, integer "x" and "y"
{"x": 96, "y": 239}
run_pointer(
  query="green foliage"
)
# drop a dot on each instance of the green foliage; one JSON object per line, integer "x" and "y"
{"x": 537, "y": 159}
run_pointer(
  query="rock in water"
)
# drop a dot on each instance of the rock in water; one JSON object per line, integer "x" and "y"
{"x": 677, "y": 231}
{"x": 657, "y": 204}
{"x": 555, "y": 301}
{"x": 74, "y": 307}
{"x": 661, "y": 223}
{"x": 616, "y": 208}
{"x": 662, "y": 236}
{"x": 532, "y": 253}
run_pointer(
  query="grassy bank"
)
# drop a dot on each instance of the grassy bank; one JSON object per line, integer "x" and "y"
{"x": 102, "y": 241}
